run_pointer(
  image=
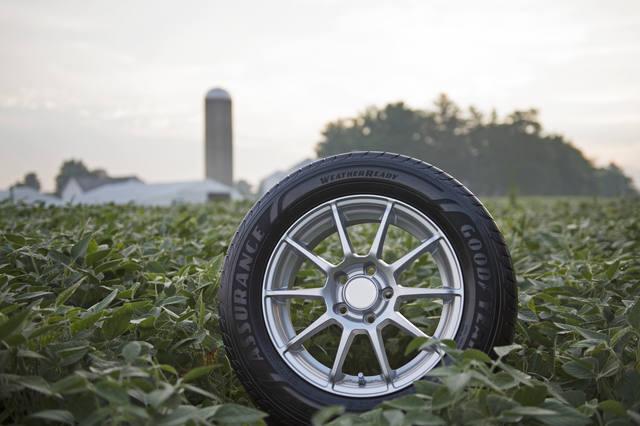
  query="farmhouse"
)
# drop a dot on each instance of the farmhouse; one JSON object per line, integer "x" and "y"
{"x": 79, "y": 185}
{"x": 158, "y": 194}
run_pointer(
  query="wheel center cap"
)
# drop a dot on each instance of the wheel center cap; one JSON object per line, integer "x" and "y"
{"x": 360, "y": 293}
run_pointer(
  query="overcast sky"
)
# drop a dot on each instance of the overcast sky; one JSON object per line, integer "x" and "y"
{"x": 120, "y": 85}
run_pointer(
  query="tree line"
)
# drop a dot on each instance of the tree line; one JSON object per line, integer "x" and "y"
{"x": 491, "y": 155}
{"x": 68, "y": 169}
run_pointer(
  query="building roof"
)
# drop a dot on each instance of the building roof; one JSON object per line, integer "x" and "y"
{"x": 156, "y": 194}
{"x": 218, "y": 93}
{"x": 87, "y": 183}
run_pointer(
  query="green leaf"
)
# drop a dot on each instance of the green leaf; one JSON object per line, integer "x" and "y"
{"x": 372, "y": 418}
{"x": 611, "y": 270}
{"x": 169, "y": 369}
{"x": 497, "y": 404}
{"x": 200, "y": 391}
{"x": 100, "y": 306}
{"x": 80, "y": 248}
{"x": 86, "y": 322}
{"x": 529, "y": 411}
{"x": 586, "y": 333}
{"x": 71, "y": 355}
{"x": 117, "y": 323}
{"x": 68, "y": 292}
{"x": 579, "y": 369}
{"x": 197, "y": 373}
{"x": 516, "y": 374}
{"x": 324, "y": 415}
{"x": 131, "y": 351}
{"x": 180, "y": 416}
{"x": 236, "y": 414}
{"x": 112, "y": 392}
{"x": 58, "y": 416}
{"x": 157, "y": 397}
{"x": 633, "y": 315}
{"x": 406, "y": 403}
{"x": 565, "y": 415}
{"x": 422, "y": 418}
{"x": 442, "y": 398}
{"x": 32, "y": 295}
{"x": 620, "y": 334}
{"x": 35, "y": 383}
{"x": 13, "y": 325}
{"x": 16, "y": 239}
{"x": 531, "y": 396}
{"x": 93, "y": 258}
{"x": 415, "y": 344}
{"x": 634, "y": 416}
{"x": 26, "y": 353}
{"x": 610, "y": 368}
{"x": 201, "y": 310}
{"x": 426, "y": 387}
{"x": 394, "y": 417}
{"x": 71, "y": 384}
{"x": 173, "y": 300}
{"x": 476, "y": 355}
{"x": 457, "y": 382}
{"x": 613, "y": 407}
{"x": 503, "y": 351}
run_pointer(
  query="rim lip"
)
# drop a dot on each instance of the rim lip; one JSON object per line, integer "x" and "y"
{"x": 314, "y": 372}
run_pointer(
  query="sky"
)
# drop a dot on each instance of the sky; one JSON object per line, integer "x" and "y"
{"x": 120, "y": 85}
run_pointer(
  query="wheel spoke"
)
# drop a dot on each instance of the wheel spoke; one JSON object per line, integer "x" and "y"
{"x": 406, "y": 260}
{"x": 378, "y": 241}
{"x": 404, "y": 324}
{"x": 378, "y": 347}
{"x": 420, "y": 292}
{"x": 342, "y": 231}
{"x": 315, "y": 259}
{"x": 314, "y": 328}
{"x": 346, "y": 339}
{"x": 302, "y": 293}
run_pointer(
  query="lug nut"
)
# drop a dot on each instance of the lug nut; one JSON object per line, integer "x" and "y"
{"x": 370, "y": 269}
{"x": 387, "y": 293}
{"x": 370, "y": 318}
{"x": 342, "y": 309}
{"x": 361, "y": 380}
{"x": 341, "y": 277}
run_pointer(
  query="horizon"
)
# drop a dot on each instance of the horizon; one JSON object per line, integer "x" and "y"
{"x": 126, "y": 94}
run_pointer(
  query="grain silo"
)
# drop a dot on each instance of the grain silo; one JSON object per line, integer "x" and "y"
{"x": 218, "y": 136}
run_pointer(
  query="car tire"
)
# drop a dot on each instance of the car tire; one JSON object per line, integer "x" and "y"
{"x": 487, "y": 313}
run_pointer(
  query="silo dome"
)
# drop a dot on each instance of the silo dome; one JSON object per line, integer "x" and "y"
{"x": 218, "y": 93}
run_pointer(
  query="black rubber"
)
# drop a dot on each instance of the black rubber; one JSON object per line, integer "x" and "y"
{"x": 490, "y": 291}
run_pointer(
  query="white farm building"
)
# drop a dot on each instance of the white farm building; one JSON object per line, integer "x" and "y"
{"x": 158, "y": 194}
{"x": 23, "y": 194}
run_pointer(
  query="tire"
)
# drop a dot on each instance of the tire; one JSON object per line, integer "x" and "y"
{"x": 487, "y": 311}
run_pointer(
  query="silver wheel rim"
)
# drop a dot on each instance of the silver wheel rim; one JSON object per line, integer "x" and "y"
{"x": 358, "y": 300}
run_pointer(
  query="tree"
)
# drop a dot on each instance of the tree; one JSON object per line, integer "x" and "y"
{"x": 492, "y": 156}
{"x": 69, "y": 169}
{"x": 613, "y": 182}
{"x": 244, "y": 188}
{"x": 31, "y": 180}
